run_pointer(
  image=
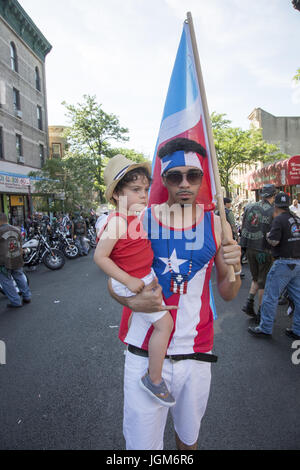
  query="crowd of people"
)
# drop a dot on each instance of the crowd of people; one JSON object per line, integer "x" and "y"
{"x": 269, "y": 236}
{"x": 13, "y": 281}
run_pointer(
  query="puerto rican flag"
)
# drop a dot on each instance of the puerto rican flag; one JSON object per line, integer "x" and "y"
{"x": 183, "y": 116}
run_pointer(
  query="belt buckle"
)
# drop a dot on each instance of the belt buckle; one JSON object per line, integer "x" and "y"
{"x": 171, "y": 357}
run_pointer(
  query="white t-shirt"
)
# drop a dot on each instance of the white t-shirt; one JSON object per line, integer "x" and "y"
{"x": 295, "y": 209}
{"x": 101, "y": 221}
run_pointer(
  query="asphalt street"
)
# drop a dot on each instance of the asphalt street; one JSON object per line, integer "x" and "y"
{"x": 61, "y": 386}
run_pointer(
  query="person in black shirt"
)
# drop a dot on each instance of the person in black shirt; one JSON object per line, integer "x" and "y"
{"x": 80, "y": 231}
{"x": 284, "y": 238}
{"x": 256, "y": 223}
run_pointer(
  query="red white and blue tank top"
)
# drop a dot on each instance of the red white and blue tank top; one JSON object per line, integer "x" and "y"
{"x": 173, "y": 252}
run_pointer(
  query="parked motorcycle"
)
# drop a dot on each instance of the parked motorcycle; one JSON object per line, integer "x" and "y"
{"x": 37, "y": 250}
{"x": 65, "y": 244}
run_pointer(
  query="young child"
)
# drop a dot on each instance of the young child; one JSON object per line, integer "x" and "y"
{"x": 124, "y": 253}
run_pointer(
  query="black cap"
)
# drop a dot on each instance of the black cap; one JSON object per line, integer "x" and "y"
{"x": 227, "y": 200}
{"x": 268, "y": 190}
{"x": 282, "y": 200}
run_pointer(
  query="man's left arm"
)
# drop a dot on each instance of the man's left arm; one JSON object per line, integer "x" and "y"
{"x": 228, "y": 254}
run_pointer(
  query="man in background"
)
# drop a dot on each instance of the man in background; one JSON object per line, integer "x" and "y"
{"x": 295, "y": 207}
{"x": 11, "y": 264}
{"x": 284, "y": 238}
{"x": 256, "y": 223}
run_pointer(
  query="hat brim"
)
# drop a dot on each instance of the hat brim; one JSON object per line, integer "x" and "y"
{"x": 111, "y": 188}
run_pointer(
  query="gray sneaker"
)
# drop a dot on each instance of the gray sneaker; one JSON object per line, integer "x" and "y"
{"x": 158, "y": 392}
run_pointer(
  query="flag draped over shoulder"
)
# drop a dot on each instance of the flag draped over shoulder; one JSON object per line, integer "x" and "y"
{"x": 183, "y": 117}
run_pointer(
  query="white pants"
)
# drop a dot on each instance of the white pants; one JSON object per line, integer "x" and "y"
{"x": 145, "y": 420}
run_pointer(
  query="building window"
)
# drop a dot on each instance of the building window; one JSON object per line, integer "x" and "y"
{"x": 1, "y": 144}
{"x": 37, "y": 79}
{"x": 16, "y": 99}
{"x": 19, "y": 149}
{"x": 13, "y": 57}
{"x": 42, "y": 155}
{"x": 39, "y": 118}
{"x": 56, "y": 151}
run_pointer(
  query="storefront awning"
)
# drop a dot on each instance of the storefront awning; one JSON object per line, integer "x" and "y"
{"x": 283, "y": 173}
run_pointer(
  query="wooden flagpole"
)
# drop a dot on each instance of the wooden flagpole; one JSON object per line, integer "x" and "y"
{"x": 219, "y": 193}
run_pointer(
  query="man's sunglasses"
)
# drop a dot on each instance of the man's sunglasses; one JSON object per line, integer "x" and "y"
{"x": 175, "y": 178}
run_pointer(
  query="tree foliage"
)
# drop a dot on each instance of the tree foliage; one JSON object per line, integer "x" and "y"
{"x": 236, "y": 147}
{"x": 79, "y": 175}
{"x": 67, "y": 184}
{"x": 297, "y": 76}
{"x": 90, "y": 134}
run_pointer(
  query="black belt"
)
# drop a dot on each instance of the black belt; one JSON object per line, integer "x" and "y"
{"x": 198, "y": 356}
{"x": 280, "y": 257}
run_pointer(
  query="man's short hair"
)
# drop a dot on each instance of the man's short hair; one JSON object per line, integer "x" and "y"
{"x": 183, "y": 144}
{"x": 227, "y": 200}
{"x": 3, "y": 217}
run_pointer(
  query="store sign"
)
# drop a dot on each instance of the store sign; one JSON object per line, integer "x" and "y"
{"x": 16, "y": 201}
{"x": 14, "y": 182}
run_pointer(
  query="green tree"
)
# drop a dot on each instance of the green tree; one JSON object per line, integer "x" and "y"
{"x": 235, "y": 147}
{"x": 67, "y": 183}
{"x": 297, "y": 76}
{"x": 90, "y": 134}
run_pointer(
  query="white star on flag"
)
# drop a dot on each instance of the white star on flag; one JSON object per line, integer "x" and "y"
{"x": 164, "y": 166}
{"x": 175, "y": 262}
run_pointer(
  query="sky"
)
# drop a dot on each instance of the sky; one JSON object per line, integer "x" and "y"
{"x": 123, "y": 52}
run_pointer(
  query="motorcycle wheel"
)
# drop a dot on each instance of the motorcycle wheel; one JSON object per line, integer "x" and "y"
{"x": 70, "y": 251}
{"x": 54, "y": 260}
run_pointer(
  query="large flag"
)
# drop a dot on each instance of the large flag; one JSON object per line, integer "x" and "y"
{"x": 183, "y": 116}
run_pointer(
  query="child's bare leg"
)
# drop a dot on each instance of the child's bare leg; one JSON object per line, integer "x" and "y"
{"x": 158, "y": 346}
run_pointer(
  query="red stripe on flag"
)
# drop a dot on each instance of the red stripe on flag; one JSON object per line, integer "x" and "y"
{"x": 205, "y": 328}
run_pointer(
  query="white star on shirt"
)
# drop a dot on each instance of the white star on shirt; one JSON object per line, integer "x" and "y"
{"x": 175, "y": 263}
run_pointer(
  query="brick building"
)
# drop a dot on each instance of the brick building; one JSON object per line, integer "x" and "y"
{"x": 57, "y": 141}
{"x": 24, "y": 142}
